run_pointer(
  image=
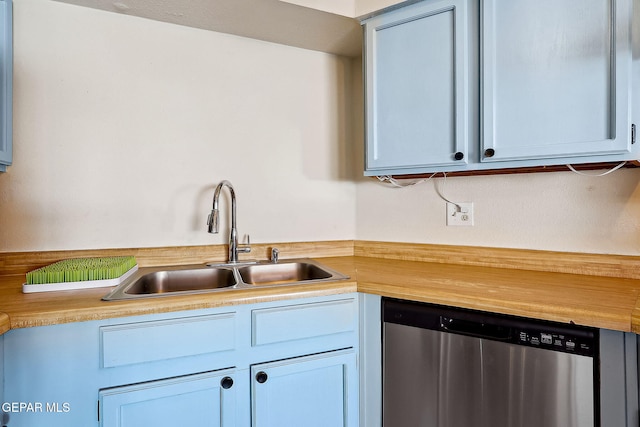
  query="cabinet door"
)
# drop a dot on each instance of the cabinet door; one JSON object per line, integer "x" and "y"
{"x": 312, "y": 391}
{"x": 417, "y": 88}
{"x": 2, "y": 422}
{"x": 555, "y": 78}
{"x": 202, "y": 400}
{"x": 6, "y": 82}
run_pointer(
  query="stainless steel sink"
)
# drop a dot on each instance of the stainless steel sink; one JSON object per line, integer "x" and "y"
{"x": 286, "y": 272}
{"x": 160, "y": 282}
{"x": 183, "y": 280}
{"x": 177, "y": 280}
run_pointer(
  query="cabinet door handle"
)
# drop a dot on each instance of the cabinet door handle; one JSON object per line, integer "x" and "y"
{"x": 262, "y": 377}
{"x": 459, "y": 155}
{"x": 489, "y": 152}
{"x": 226, "y": 383}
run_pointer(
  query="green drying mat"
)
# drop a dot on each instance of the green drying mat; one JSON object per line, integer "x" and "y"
{"x": 80, "y": 273}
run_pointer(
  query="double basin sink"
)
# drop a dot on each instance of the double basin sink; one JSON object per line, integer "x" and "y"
{"x": 195, "y": 279}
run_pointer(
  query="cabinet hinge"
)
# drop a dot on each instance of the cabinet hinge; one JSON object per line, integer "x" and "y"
{"x": 633, "y": 133}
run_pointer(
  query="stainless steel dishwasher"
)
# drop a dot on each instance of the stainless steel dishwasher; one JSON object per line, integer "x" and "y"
{"x": 445, "y": 367}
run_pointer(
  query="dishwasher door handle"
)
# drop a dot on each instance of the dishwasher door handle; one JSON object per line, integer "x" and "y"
{"x": 475, "y": 329}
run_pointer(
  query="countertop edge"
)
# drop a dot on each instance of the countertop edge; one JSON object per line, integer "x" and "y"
{"x": 5, "y": 323}
{"x": 119, "y": 309}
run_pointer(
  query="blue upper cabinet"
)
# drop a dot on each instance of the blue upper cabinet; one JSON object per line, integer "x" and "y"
{"x": 463, "y": 85}
{"x": 6, "y": 83}
{"x": 555, "y": 78}
{"x": 417, "y": 74}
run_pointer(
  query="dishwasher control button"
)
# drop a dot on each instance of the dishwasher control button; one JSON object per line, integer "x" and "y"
{"x": 571, "y": 345}
{"x": 524, "y": 336}
{"x": 546, "y": 338}
{"x": 535, "y": 341}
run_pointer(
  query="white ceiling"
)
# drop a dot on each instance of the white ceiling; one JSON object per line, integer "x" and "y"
{"x": 269, "y": 20}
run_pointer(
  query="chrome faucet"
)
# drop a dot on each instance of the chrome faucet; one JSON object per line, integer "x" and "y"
{"x": 212, "y": 222}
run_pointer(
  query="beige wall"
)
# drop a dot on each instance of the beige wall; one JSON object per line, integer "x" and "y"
{"x": 123, "y": 126}
{"x": 350, "y": 8}
{"x": 364, "y": 7}
{"x": 551, "y": 211}
{"x": 339, "y": 7}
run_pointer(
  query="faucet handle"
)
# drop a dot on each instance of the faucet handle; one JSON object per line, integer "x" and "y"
{"x": 245, "y": 248}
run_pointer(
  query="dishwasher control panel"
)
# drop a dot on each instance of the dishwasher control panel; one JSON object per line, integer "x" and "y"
{"x": 557, "y": 340}
{"x": 554, "y": 336}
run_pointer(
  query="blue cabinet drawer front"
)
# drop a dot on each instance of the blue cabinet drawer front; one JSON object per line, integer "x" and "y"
{"x": 142, "y": 342}
{"x": 303, "y": 321}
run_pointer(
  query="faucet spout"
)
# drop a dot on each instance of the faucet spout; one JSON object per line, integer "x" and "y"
{"x": 213, "y": 222}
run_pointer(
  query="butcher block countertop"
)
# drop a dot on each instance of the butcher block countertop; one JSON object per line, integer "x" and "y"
{"x": 592, "y": 290}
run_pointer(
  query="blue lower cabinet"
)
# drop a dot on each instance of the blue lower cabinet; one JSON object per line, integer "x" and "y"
{"x": 202, "y": 400}
{"x": 314, "y": 391}
{"x": 193, "y": 368}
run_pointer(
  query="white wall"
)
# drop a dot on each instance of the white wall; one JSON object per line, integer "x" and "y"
{"x": 123, "y": 126}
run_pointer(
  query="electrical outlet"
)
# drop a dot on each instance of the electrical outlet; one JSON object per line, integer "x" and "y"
{"x": 460, "y": 214}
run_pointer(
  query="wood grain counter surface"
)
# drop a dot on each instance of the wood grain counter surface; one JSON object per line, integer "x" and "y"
{"x": 604, "y": 302}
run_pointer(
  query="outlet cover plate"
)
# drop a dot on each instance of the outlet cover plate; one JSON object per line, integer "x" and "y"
{"x": 460, "y": 214}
